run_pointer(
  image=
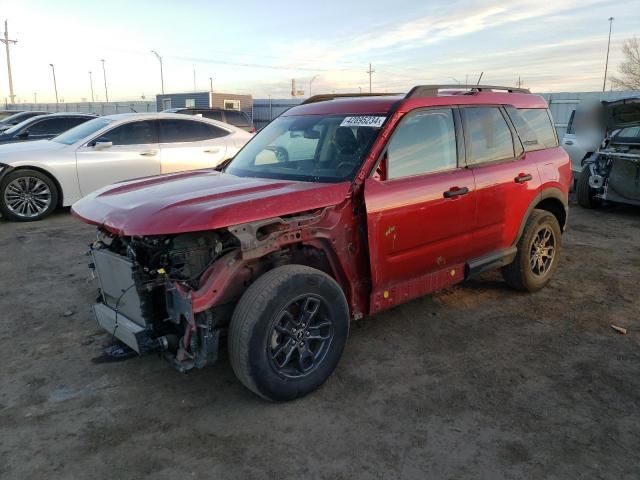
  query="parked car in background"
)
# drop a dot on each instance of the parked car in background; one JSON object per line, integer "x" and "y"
{"x": 37, "y": 176}
{"x": 232, "y": 117}
{"x": 338, "y": 208}
{"x": 7, "y": 113}
{"x": 17, "y": 118}
{"x": 584, "y": 135}
{"x": 612, "y": 173}
{"x": 43, "y": 127}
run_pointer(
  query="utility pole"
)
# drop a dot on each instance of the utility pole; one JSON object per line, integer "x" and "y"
{"x": 211, "y": 84}
{"x": 91, "y": 84}
{"x": 161, "y": 73}
{"x": 194, "y": 79}
{"x": 606, "y": 63}
{"x": 6, "y": 42}
{"x": 35, "y": 97}
{"x": 55, "y": 85}
{"x": 519, "y": 82}
{"x": 370, "y": 72}
{"x": 104, "y": 75}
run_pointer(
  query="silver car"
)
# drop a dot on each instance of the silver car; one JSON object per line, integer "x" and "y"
{"x": 35, "y": 177}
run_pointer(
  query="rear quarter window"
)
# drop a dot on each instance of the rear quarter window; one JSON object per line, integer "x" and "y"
{"x": 535, "y": 128}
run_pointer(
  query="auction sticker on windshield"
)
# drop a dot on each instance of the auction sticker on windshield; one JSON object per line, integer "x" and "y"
{"x": 363, "y": 121}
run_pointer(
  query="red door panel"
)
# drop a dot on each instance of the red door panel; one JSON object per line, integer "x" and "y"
{"x": 504, "y": 191}
{"x": 413, "y": 229}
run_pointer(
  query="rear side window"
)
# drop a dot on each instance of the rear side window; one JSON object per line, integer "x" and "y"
{"x": 487, "y": 134}
{"x": 236, "y": 118}
{"x": 213, "y": 115}
{"x": 570, "y": 128}
{"x": 176, "y": 131}
{"x": 539, "y": 120}
{"x": 424, "y": 142}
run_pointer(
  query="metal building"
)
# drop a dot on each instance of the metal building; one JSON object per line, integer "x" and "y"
{"x": 227, "y": 101}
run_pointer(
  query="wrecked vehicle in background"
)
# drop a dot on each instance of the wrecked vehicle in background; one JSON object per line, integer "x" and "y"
{"x": 612, "y": 173}
{"x": 339, "y": 208}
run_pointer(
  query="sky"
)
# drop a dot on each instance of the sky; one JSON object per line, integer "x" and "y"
{"x": 257, "y": 47}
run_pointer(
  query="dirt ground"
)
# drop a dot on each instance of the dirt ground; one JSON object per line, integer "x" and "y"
{"x": 477, "y": 381}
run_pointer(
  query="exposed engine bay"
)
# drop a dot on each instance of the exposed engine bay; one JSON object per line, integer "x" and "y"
{"x": 615, "y": 170}
{"x": 138, "y": 280}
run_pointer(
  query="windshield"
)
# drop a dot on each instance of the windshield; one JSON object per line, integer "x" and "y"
{"x": 310, "y": 148}
{"x": 81, "y": 131}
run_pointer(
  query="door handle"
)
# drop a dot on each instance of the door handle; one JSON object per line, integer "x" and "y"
{"x": 212, "y": 150}
{"x": 568, "y": 142}
{"x": 149, "y": 153}
{"x": 455, "y": 192}
{"x": 523, "y": 177}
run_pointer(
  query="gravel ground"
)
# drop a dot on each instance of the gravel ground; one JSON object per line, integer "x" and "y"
{"x": 476, "y": 381}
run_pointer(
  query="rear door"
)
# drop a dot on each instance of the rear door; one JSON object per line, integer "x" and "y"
{"x": 134, "y": 153}
{"x": 506, "y": 178}
{"x": 420, "y": 210}
{"x": 191, "y": 145}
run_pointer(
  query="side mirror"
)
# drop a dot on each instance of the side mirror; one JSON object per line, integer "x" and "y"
{"x": 23, "y": 135}
{"x": 102, "y": 145}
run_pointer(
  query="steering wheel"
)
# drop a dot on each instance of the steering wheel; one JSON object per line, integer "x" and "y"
{"x": 281, "y": 153}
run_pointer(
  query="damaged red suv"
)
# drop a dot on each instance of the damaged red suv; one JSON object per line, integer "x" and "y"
{"x": 341, "y": 207}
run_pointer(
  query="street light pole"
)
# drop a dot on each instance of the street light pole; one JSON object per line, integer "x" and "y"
{"x": 161, "y": 73}
{"x": 55, "y": 85}
{"x": 311, "y": 82}
{"x": 91, "y": 84}
{"x": 104, "y": 75}
{"x": 606, "y": 63}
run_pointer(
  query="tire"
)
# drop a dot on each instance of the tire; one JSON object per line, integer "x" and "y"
{"x": 258, "y": 326}
{"x": 525, "y": 273}
{"x": 42, "y": 196}
{"x": 584, "y": 193}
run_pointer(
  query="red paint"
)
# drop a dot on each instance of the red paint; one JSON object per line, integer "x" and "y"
{"x": 386, "y": 241}
{"x": 199, "y": 200}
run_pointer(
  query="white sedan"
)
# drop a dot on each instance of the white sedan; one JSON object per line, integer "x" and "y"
{"x": 35, "y": 177}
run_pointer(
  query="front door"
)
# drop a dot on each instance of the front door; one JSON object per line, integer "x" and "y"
{"x": 421, "y": 211}
{"x": 133, "y": 153}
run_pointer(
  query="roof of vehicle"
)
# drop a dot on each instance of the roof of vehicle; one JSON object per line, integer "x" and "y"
{"x": 420, "y": 96}
{"x": 63, "y": 114}
{"x": 121, "y": 117}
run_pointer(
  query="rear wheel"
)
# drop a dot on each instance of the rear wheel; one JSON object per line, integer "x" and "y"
{"x": 288, "y": 332}
{"x": 538, "y": 253}
{"x": 584, "y": 193}
{"x": 27, "y": 195}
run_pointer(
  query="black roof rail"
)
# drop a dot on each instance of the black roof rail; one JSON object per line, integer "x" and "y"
{"x": 432, "y": 90}
{"x": 330, "y": 96}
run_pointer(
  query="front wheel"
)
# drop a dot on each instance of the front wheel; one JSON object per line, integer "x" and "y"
{"x": 288, "y": 332}
{"x": 584, "y": 193}
{"x": 27, "y": 195}
{"x": 538, "y": 253}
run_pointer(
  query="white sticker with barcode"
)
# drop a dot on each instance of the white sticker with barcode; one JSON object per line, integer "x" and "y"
{"x": 363, "y": 121}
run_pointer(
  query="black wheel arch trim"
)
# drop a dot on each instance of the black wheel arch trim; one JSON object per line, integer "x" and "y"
{"x": 546, "y": 194}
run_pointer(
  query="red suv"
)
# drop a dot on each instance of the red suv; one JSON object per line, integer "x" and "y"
{"x": 341, "y": 207}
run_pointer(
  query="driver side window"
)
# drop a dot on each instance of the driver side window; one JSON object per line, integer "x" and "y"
{"x": 424, "y": 142}
{"x": 134, "y": 133}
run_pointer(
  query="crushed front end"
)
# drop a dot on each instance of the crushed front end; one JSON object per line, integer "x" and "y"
{"x": 146, "y": 286}
{"x": 615, "y": 172}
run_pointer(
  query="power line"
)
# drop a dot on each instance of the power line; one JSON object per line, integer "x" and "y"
{"x": 6, "y": 42}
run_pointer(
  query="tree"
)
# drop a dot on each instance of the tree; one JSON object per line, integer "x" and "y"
{"x": 629, "y": 78}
